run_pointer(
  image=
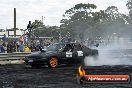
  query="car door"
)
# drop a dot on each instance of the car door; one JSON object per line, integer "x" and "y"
{"x": 66, "y": 53}
{"x": 79, "y": 54}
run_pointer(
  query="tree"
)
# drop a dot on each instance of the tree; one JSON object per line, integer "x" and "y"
{"x": 129, "y": 6}
{"x": 77, "y": 19}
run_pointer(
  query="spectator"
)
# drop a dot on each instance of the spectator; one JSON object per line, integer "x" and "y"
{"x": 9, "y": 47}
{"x": 32, "y": 47}
{"x": 17, "y": 46}
{"x": 2, "y": 50}
{"x": 4, "y": 45}
{"x": 13, "y": 47}
{"x": 26, "y": 49}
{"x": 21, "y": 48}
{"x": 39, "y": 47}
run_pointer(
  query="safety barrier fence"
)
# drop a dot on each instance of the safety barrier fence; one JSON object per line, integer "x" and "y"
{"x": 13, "y": 56}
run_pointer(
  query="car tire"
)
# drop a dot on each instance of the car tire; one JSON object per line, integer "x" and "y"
{"x": 53, "y": 62}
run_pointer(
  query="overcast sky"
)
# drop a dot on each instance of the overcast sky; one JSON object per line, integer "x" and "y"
{"x": 52, "y": 10}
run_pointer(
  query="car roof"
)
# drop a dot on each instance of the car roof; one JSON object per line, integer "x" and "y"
{"x": 69, "y": 43}
{"x": 74, "y": 43}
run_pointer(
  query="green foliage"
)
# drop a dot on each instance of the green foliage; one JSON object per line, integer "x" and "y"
{"x": 78, "y": 18}
{"x": 129, "y": 4}
{"x": 83, "y": 22}
{"x": 41, "y": 30}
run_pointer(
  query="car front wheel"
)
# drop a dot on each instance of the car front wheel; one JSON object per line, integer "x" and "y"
{"x": 53, "y": 62}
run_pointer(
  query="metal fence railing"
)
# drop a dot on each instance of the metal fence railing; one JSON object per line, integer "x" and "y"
{"x": 12, "y": 56}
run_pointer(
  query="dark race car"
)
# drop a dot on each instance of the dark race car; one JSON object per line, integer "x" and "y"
{"x": 59, "y": 53}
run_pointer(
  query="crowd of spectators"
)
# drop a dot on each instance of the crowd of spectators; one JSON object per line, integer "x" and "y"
{"x": 20, "y": 45}
{"x": 13, "y": 46}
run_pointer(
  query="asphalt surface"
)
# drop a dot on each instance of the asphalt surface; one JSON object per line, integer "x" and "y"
{"x": 22, "y": 76}
{"x": 113, "y": 61}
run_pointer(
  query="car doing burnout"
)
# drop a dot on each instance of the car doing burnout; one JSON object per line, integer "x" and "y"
{"x": 59, "y": 53}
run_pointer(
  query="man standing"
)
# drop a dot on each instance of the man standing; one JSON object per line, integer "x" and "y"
{"x": 21, "y": 48}
{"x": 29, "y": 27}
{"x": 2, "y": 50}
{"x": 9, "y": 49}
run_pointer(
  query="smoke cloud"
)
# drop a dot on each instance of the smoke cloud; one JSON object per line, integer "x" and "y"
{"x": 117, "y": 52}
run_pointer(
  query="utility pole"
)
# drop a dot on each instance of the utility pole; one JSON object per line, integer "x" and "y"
{"x": 14, "y": 22}
{"x": 42, "y": 19}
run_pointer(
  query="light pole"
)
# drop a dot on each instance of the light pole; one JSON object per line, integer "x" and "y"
{"x": 60, "y": 36}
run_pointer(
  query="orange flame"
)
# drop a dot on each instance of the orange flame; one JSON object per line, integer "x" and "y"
{"x": 81, "y": 71}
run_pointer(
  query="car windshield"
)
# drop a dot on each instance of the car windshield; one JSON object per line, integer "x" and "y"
{"x": 55, "y": 47}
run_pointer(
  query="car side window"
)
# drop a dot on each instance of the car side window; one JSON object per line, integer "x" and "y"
{"x": 68, "y": 47}
{"x": 77, "y": 47}
{"x": 84, "y": 48}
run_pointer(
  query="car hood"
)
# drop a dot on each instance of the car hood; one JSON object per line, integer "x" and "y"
{"x": 33, "y": 55}
{"x": 41, "y": 54}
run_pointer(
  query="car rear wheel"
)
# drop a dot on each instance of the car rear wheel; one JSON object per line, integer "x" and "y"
{"x": 53, "y": 62}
